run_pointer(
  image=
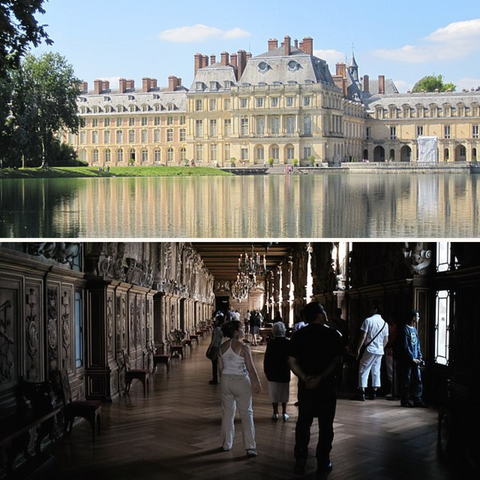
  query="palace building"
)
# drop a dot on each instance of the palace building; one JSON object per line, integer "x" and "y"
{"x": 283, "y": 105}
{"x": 83, "y": 308}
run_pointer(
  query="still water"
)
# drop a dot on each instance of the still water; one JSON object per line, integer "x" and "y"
{"x": 272, "y": 206}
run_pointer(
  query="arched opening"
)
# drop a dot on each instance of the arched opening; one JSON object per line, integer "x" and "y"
{"x": 365, "y": 154}
{"x": 274, "y": 153}
{"x": 132, "y": 156}
{"x": 460, "y": 153}
{"x": 474, "y": 154}
{"x": 406, "y": 154}
{"x": 446, "y": 155}
{"x": 379, "y": 154}
{"x": 392, "y": 155}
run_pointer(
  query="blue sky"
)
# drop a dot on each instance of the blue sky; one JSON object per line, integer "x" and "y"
{"x": 108, "y": 39}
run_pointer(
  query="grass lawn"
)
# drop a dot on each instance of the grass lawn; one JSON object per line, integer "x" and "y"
{"x": 71, "y": 172}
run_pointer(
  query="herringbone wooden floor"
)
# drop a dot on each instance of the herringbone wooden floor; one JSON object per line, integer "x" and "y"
{"x": 173, "y": 434}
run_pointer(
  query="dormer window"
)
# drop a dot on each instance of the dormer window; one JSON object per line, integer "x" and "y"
{"x": 293, "y": 66}
{"x": 263, "y": 67}
{"x": 199, "y": 86}
{"x": 213, "y": 86}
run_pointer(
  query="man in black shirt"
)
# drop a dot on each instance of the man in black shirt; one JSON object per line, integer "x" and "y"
{"x": 315, "y": 355}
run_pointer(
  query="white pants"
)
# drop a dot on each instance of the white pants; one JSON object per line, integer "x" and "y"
{"x": 370, "y": 362}
{"x": 236, "y": 391}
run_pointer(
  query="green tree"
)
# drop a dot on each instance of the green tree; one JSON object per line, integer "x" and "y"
{"x": 432, "y": 83}
{"x": 18, "y": 30}
{"x": 44, "y": 103}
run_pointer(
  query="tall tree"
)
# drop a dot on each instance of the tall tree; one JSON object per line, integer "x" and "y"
{"x": 18, "y": 30}
{"x": 44, "y": 103}
{"x": 432, "y": 83}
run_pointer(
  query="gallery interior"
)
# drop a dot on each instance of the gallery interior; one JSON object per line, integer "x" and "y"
{"x": 87, "y": 316}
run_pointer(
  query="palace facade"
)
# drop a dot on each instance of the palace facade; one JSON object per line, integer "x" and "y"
{"x": 283, "y": 105}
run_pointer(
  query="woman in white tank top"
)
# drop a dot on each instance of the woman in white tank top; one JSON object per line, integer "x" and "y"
{"x": 238, "y": 378}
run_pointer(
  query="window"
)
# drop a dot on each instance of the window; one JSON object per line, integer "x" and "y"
{"x": 442, "y": 327}
{"x": 156, "y": 136}
{"x": 368, "y": 134}
{"x": 95, "y": 122}
{"x": 106, "y": 122}
{"x": 275, "y": 125}
{"x": 199, "y": 128}
{"x": 243, "y": 102}
{"x": 144, "y": 156}
{"x": 260, "y": 153}
{"x": 244, "y": 126}
{"x": 183, "y": 135}
{"x": 290, "y": 101}
{"x": 274, "y": 101}
{"x": 144, "y": 121}
{"x": 275, "y": 153}
{"x": 83, "y": 137}
{"x": 244, "y": 154}
{"x": 213, "y": 152}
{"x": 198, "y": 105}
{"x": 393, "y": 133}
{"x": 290, "y": 125}
{"x": 259, "y": 102}
{"x": 307, "y": 152}
{"x": 290, "y": 153}
{"x": 95, "y": 137}
{"x": 158, "y": 156}
{"x": 78, "y": 329}
{"x": 170, "y": 155}
{"x": 213, "y": 104}
{"x": 119, "y": 136}
{"x": 307, "y": 125}
{"x": 106, "y": 136}
{"x": 169, "y": 120}
{"x": 108, "y": 156}
{"x": 307, "y": 101}
{"x": 446, "y": 131}
{"x": 199, "y": 152}
{"x": 227, "y": 104}
{"x": 475, "y": 131}
{"x": 119, "y": 122}
{"x": 144, "y": 136}
{"x": 170, "y": 135}
{"x": 213, "y": 128}
{"x": 183, "y": 155}
{"x": 260, "y": 126}
{"x": 420, "y": 131}
{"x": 182, "y": 120}
{"x": 95, "y": 156}
{"x": 131, "y": 136}
{"x": 131, "y": 122}
{"x": 119, "y": 155}
{"x": 156, "y": 121}
{"x": 132, "y": 108}
{"x": 227, "y": 151}
{"x": 228, "y": 127}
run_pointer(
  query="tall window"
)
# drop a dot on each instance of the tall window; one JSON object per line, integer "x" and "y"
{"x": 475, "y": 131}
{"x": 78, "y": 329}
{"x": 158, "y": 156}
{"x": 144, "y": 156}
{"x": 183, "y": 135}
{"x": 156, "y": 135}
{"x": 393, "y": 133}
{"x": 199, "y": 128}
{"x": 199, "y": 153}
{"x": 228, "y": 126}
{"x": 183, "y": 155}
{"x": 199, "y": 105}
{"x": 260, "y": 126}
{"x": 243, "y": 102}
{"x": 170, "y": 155}
{"x": 260, "y": 154}
{"x": 213, "y": 104}
{"x": 119, "y": 155}
{"x": 108, "y": 156}
{"x": 144, "y": 136}
{"x": 213, "y": 152}
{"x": 244, "y": 126}
{"x": 442, "y": 326}
{"x": 131, "y": 136}
{"x": 275, "y": 125}
{"x": 95, "y": 137}
{"x": 307, "y": 125}
{"x": 170, "y": 135}
{"x": 446, "y": 131}
{"x": 213, "y": 128}
{"x": 420, "y": 131}
{"x": 291, "y": 124}
{"x": 106, "y": 136}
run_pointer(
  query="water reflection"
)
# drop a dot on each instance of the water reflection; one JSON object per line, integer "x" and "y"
{"x": 294, "y": 206}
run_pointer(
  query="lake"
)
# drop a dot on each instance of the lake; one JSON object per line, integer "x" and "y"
{"x": 272, "y": 206}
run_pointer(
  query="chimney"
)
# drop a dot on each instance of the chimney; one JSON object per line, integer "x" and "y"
{"x": 213, "y": 59}
{"x": 204, "y": 61}
{"x": 122, "y": 85}
{"x": 296, "y": 44}
{"x": 338, "y": 81}
{"x": 272, "y": 44}
{"x": 224, "y": 58}
{"x": 234, "y": 60}
{"x": 130, "y": 84}
{"x": 173, "y": 83}
{"x": 345, "y": 87}
{"x": 98, "y": 86}
{"x": 83, "y": 87}
{"x": 341, "y": 69}
{"x": 105, "y": 85}
{"x": 242, "y": 62}
{"x": 146, "y": 84}
{"x": 307, "y": 45}
{"x": 249, "y": 56}
{"x": 366, "y": 83}
{"x": 288, "y": 45}
{"x": 153, "y": 83}
{"x": 381, "y": 84}
{"x": 198, "y": 62}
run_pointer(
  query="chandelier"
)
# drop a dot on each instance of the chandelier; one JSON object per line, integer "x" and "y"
{"x": 249, "y": 267}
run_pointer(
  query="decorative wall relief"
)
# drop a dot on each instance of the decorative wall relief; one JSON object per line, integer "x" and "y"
{"x": 7, "y": 337}
{"x": 61, "y": 252}
{"x": 417, "y": 257}
{"x": 52, "y": 325}
{"x": 66, "y": 328}
{"x": 110, "y": 320}
{"x": 32, "y": 328}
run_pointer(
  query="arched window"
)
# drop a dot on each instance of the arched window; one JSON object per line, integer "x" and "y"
{"x": 170, "y": 155}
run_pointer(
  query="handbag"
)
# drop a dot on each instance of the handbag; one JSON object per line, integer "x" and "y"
{"x": 364, "y": 346}
{"x": 211, "y": 352}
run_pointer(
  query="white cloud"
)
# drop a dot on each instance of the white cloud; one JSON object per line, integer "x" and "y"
{"x": 467, "y": 83}
{"x": 330, "y": 56}
{"x": 200, "y": 33}
{"x": 456, "y": 40}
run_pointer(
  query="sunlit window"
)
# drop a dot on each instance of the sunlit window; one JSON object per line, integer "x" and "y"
{"x": 442, "y": 326}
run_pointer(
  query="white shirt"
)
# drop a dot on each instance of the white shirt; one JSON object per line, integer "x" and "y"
{"x": 373, "y": 325}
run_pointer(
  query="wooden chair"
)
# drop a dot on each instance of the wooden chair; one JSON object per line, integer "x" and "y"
{"x": 142, "y": 374}
{"x": 90, "y": 410}
{"x": 159, "y": 358}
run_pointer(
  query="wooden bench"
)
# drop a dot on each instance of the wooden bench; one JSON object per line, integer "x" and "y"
{"x": 37, "y": 415}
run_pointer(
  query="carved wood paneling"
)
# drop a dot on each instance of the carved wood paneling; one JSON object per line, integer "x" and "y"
{"x": 33, "y": 326}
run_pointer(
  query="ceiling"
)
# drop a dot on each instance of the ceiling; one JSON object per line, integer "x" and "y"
{"x": 221, "y": 258}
